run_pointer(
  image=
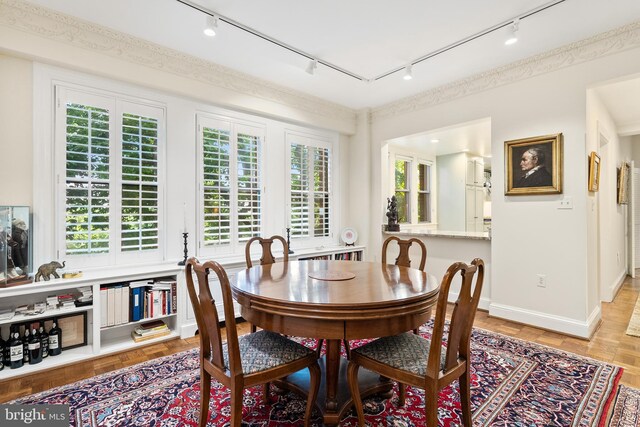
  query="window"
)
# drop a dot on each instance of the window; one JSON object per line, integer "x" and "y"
{"x": 109, "y": 173}
{"x": 309, "y": 187}
{"x": 231, "y": 183}
{"x": 403, "y": 189}
{"x": 424, "y": 192}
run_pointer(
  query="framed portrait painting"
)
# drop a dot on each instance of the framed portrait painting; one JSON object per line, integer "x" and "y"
{"x": 594, "y": 171}
{"x": 623, "y": 183}
{"x": 533, "y": 165}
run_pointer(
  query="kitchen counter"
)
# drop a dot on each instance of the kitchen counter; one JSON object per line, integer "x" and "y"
{"x": 476, "y": 235}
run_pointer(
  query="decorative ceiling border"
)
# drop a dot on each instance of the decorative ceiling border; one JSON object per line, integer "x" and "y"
{"x": 63, "y": 28}
{"x": 610, "y": 42}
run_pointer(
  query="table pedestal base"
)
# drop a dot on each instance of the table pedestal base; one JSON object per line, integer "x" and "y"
{"x": 334, "y": 409}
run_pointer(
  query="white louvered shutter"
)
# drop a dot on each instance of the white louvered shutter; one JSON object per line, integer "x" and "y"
{"x": 87, "y": 179}
{"x": 216, "y": 185}
{"x": 140, "y": 183}
{"x": 299, "y": 221}
{"x": 321, "y": 192}
{"x": 249, "y": 197}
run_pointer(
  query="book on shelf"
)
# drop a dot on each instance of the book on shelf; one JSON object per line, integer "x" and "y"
{"x": 140, "y": 338}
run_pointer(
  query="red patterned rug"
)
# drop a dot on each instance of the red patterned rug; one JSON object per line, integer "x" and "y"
{"x": 626, "y": 408}
{"x": 514, "y": 383}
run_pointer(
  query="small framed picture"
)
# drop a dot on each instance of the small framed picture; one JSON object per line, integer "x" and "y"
{"x": 74, "y": 329}
{"x": 594, "y": 171}
{"x": 533, "y": 165}
{"x": 623, "y": 183}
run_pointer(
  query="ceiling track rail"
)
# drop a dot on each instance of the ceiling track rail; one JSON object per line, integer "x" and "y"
{"x": 344, "y": 71}
{"x": 271, "y": 39}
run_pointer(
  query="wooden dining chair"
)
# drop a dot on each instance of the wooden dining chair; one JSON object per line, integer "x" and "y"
{"x": 403, "y": 259}
{"x": 267, "y": 255}
{"x": 428, "y": 364}
{"x": 244, "y": 361}
{"x": 404, "y": 245}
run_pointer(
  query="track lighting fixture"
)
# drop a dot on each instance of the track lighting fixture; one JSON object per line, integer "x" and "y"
{"x": 311, "y": 68}
{"x": 513, "y": 32}
{"x": 408, "y": 72}
{"x": 211, "y": 26}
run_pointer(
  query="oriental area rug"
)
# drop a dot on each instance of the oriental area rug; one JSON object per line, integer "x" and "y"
{"x": 634, "y": 323}
{"x": 514, "y": 383}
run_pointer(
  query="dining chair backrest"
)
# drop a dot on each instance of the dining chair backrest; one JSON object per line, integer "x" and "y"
{"x": 461, "y": 323}
{"x": 403, "y": 259}
{"x": 267, "y": 255}
{"x": 206, "y": 314}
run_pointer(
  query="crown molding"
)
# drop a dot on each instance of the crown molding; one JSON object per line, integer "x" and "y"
{"x": 62, "y": 28}
{"x": 608, "y": 43}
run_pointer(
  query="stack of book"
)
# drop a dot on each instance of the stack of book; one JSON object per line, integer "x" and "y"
{"x": 52, "y": 302}
{"x": 85, "y": 298}
{"x": 66, "y": 301}
{"x": 150, "y": 330}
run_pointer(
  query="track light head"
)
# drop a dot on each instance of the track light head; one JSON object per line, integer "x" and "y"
{"x": 408, "y": 72}
{"x": 311, "y": 68}
{"x": 211, "y": 26}
{"x": 513, "y": 32}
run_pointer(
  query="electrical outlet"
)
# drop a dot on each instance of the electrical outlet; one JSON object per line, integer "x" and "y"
{"x": 566, "y": 203}
{"x": 542, "y": 281}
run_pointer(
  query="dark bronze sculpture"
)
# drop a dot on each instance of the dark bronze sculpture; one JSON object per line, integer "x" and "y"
{"x": 46, "y": 270}
{"x": 392, "y": 214}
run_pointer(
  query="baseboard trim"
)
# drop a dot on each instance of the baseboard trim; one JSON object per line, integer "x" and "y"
{"x": 551, "y": 322}
{"x": 483, "y": 304}
{"x": 612, "y": 290}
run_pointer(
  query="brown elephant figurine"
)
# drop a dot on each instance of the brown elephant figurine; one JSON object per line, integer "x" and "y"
{"x": 46, "y": 270}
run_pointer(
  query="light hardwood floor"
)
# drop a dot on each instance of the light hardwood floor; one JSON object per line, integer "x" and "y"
{"x": 609, "y": 344}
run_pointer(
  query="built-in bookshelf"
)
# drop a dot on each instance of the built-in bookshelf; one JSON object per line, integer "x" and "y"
{"x": 105, "y": 324}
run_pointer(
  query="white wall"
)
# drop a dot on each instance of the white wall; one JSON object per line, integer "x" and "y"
{"x": 530, "y": 235}
{"x": 16, "y": 113}
{"x": 611, "y": 217}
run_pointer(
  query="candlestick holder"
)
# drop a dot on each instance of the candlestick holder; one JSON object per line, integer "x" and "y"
{"x": 185, "y": 236}
{"x": 289, "y": 244}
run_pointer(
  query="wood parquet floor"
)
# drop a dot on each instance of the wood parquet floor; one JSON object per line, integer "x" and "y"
{"x": 609, "y": 344}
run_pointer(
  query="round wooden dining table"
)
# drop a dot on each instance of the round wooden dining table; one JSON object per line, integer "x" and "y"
{"x": 336, "y": 301}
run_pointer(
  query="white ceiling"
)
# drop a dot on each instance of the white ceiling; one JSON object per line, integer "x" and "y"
{"x": 472, "y": 137}
{"x": 622, "y": 100}
{"x": 366, "y": 37}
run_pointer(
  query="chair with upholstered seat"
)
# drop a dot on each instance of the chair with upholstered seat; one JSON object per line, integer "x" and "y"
{"x": 267, "y": 255}
{"x": 244, "y": 361}
{"x": 427, "y": 363}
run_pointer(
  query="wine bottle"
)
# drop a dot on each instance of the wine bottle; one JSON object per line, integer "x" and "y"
{"x": 16, "y": 359}
{"x": 55, "y": 340}
{"x": 25, "y": 345}
{"x": 44, "y": 341}
{"x": 3, "y": 345}
{"x": 35, "y": 349}
{"x": 7, "y": 354}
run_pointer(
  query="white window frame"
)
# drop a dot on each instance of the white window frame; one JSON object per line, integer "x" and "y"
{"x": 315, "y": 141}
{"x": 409, "y": 181}
{"x": 117, "y": 104}
{"x": 235, "y": 126}
{"x": 429, "y": 166}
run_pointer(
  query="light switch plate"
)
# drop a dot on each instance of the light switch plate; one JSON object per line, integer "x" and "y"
{"x": 566, "y": 203}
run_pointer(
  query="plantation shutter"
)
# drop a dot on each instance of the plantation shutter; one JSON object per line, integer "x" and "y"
{"x": 310, "y": 188}
{"x": 249, "y": 196}
{"x": 87, "y": 179}
{"x": 216, "y": 184}
{"x": 299, "y": 222}
{"x": 140, "y": 183}
{"x": 321, "y": 192}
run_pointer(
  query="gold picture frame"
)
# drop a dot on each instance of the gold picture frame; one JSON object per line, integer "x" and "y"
{"x": 533, "y": 165}
{"x": 594, "y": 171}
{"x": 623, "y": 183}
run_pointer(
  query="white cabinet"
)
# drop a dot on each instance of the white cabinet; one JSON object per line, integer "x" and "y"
{"x": 460, "y": 192}
{"x": 474, "y": 204}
